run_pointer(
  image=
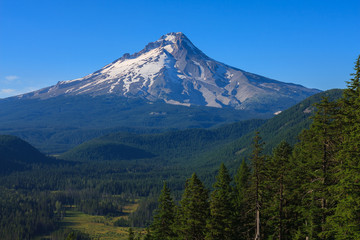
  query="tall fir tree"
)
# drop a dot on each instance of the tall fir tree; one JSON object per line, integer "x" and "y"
{"x": 278, "y": 174}
{"x": 194, "y": 210}
{"x": 316, "y": 155}
{"x": 162, "y": 227}
{"x": 258, "y": 176}
{"x": 242, "y": 180}
{"x": 220, "y": 225}
{"x": 346, "y": 220}
{"x": 242, "y": 203}
{"x": 295, "y": 182}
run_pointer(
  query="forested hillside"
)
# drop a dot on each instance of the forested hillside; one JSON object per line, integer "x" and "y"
{"x": 284, "y": 127}
{"x": 170, "y": 146}
{"x": 55, "y": 125}
{"x": 199, "y": 148}
{"x": 16, "y": 154}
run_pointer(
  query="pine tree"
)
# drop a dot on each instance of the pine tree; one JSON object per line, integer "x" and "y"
{"x": 242, "y": 202}
{"x": 221, "y": 223}
{"x": 162, "y": 227}
{"x": 278, "y": 172}
{"x": 258, "y": 167}
{"x": 316, "y": 155}
{"x": 242, "y": 180}
{"x": 194, "y": 210}
{"x": 346, "y": 220}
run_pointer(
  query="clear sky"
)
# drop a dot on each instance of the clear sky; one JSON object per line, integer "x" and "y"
{"x": 309, "y": 42}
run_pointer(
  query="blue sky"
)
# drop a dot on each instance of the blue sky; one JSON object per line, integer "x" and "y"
{"x": 309, "y": 42}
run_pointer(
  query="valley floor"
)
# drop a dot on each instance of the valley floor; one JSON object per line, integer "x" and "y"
{"x": 97, "y": 227}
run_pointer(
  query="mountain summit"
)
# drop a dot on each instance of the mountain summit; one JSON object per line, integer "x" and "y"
{"x": 173, "y": 70}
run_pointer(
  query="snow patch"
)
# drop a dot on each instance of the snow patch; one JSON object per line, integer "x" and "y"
{"x": 173, "y": 102}
{"x": 229, "y": 75}
{"x": 170, "y": 38}
{"x": 70, "y": 81}
{"x": 69, "y": 90}
{"x": 169, "y": 48}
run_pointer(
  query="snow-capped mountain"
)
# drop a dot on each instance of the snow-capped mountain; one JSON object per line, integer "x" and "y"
{"x": 172, "y": 69}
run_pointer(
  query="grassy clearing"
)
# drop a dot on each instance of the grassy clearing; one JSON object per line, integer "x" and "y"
{"x": 98, "y": 227}
{"x": 130, "y": 208}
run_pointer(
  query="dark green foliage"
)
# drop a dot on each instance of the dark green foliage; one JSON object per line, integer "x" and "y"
{"x": 100, "y": 151}
{"x": 327, "y": 165}
{"x": 143, "y": 215}
{"x": 194, "y": 210}
{"x": 346, "y": 220}
{"x": 121, "y": 222}
{"x": 77, "y": 235}
{"x": 222, "y": 218}
{"x": 243, "y": 216}
{"x": 316, "y": 156}
{"x": 14, "y": 149}
{"x": 173, "y": 145}
{"x": 65, "y": 233}
{"x": 16, "y": 154}
{"x": 278, "y": 190}
{"x": 284, "y": 127}
{"x": 92, "y": 202}
{"x": 258, "y": 183}
{"x": 56, "y": 124}
{"x": 24, "y": 216}
{"x": 164, "y": 218}
{"x": 288, "y": 125}
{"x": 242, "y": 181}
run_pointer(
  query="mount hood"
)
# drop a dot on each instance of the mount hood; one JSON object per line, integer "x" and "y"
{"x": 173, "y": 70}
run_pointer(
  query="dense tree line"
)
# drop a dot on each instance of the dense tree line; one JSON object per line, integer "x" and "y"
{"x": 311, "y": 191}
{"x": 23, "y": 216}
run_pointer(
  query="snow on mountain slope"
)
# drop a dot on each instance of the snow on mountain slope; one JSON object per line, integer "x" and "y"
{"x": 172, "y": 69}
